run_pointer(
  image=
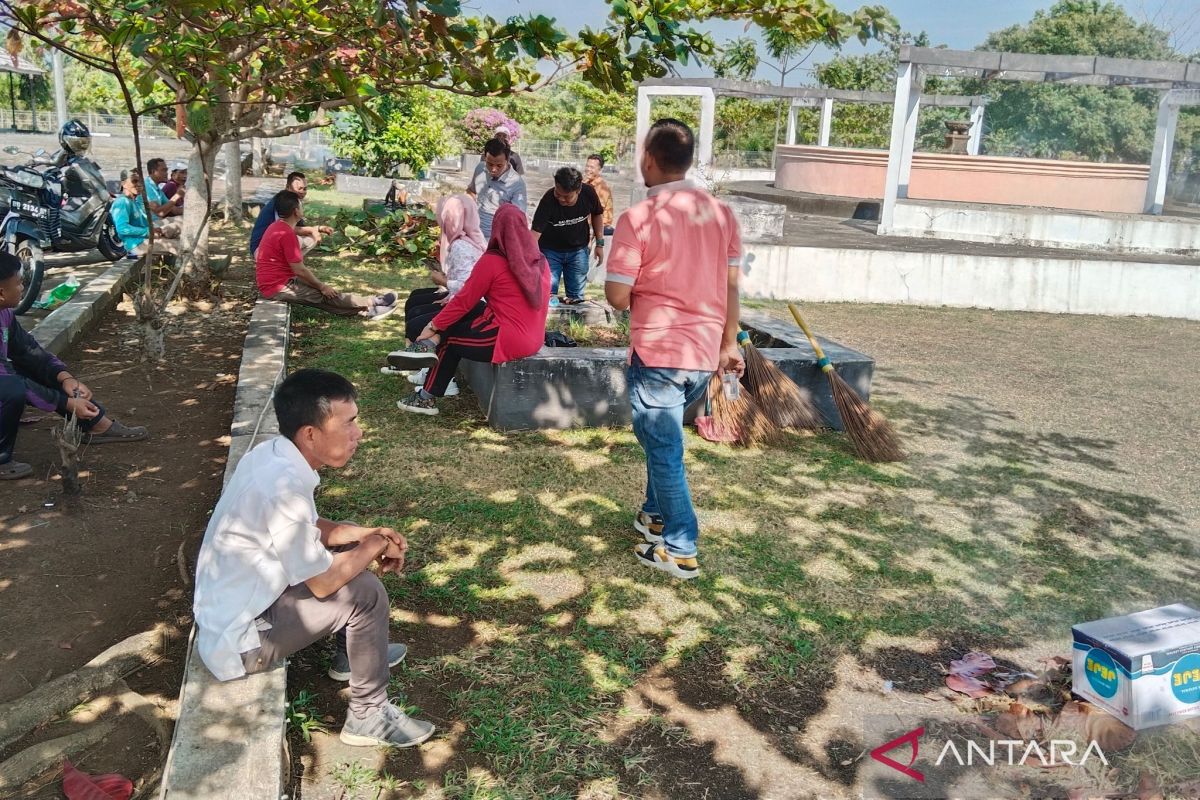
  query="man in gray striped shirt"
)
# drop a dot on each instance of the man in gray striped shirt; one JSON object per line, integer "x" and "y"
{"x": 495, "y": 182}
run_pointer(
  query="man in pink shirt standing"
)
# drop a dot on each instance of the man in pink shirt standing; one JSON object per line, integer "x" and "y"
{"x": 674, "y": 263}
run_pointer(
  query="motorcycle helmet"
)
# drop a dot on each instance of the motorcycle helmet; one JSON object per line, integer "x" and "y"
{"x": 75, "y": 138}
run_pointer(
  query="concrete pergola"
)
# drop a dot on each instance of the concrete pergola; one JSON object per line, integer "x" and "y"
{"x": 709, "y": 89}
{"x": 1180, "y": 82}
{"x": 811, "y": 98}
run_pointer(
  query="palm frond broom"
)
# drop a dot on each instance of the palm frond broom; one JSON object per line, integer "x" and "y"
{"x": 870, "y": 434}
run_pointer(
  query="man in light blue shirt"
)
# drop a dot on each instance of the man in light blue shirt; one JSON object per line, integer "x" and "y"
{"x": 160, "y": 204}
{"x": 129, "y": 218}
{"x": 495, "y": 182}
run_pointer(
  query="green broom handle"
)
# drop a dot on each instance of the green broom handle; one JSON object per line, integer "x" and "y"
{"x": 822, "y": 361}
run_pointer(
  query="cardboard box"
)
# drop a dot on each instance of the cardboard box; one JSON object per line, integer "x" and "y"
{"x": 1143, "y": 668}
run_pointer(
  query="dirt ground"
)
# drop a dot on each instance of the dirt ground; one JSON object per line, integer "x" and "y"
{"x": 79, "y": 574}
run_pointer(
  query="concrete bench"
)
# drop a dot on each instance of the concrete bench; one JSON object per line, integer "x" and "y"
{"x": 574, "y": 387}
{"x": 230, "y": 739}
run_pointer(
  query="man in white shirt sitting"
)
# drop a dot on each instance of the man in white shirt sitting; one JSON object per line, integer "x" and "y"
{"x": 273, "y": 577}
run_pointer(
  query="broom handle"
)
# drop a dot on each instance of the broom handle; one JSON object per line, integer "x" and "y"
{"x": 822, "y": 361}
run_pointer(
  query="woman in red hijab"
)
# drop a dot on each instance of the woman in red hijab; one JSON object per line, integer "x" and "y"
{"x": 514, "y": 280}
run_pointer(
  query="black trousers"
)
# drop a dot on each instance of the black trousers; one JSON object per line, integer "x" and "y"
{"x": 473, "y": 337}
{"x": 17, "y": 391}
{"x": 419, "y": 309}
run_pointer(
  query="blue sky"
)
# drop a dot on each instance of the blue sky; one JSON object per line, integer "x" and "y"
{"x": 960, "y": 24}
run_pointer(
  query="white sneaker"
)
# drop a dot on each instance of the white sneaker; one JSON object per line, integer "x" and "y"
{"x": 381, "y": 312}
{"x": 418, "y": 379}
{"x": 393, "y": 371}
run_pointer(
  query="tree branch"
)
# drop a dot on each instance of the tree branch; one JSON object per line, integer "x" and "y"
{"x": 273, "y": 133}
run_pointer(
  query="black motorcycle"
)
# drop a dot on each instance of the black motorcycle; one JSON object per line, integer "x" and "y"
{"x": 86, "y": 219}
{"x": 59, "y": 203}
{"x": 32, "y": 221}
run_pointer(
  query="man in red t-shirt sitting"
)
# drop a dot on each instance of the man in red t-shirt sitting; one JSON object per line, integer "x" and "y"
{"x": 281, "y": 274}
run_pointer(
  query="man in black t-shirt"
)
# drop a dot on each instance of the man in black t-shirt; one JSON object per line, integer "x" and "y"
{"x": 567, "y": 216}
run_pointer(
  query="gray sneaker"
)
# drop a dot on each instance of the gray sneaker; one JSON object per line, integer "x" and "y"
{"x": 12, "y": 470}
{"x": 385, "y": 725}
{"x": 117, "y": 433}
{"x": 339, "y": 670}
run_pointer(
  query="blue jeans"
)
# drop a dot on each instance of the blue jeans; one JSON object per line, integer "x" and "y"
{"x": 659, "y": 397}
{"x": 572, "y": 265}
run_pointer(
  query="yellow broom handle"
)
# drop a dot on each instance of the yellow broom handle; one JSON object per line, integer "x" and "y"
{"x": 822, "y": 361}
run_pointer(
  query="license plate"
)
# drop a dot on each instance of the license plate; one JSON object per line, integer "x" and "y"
{"x": 37, "y": 212}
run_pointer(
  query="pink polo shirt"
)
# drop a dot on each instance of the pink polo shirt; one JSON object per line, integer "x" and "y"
{"x": 675, "y": 249}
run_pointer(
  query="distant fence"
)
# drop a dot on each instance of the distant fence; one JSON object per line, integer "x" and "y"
{"x": 312, "y": 148}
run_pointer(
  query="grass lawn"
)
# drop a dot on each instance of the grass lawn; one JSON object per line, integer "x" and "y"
{"x": 557, "y": 667}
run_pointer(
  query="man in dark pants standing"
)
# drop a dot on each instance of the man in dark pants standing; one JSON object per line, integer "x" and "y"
{"x": 566, "y": 217}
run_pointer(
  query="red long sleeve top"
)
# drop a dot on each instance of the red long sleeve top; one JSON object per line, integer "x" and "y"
{"x": 522, "y": 328}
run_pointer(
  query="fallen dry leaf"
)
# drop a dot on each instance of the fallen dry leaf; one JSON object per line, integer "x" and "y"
{"x": 1148, "y": 788}
{"x": 1190, "y": 790}
{"x": 1107, "y": 731}
{"x": 971, "y": 687}
{"x": 972, "y": 664}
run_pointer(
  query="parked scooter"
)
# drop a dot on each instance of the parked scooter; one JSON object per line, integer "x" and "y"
{"x": 76, "y": 217}
{"x": 86, "y": 222}
{"x": 33, "y": 200}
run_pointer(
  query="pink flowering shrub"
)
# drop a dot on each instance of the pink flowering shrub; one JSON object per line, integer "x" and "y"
{"x": 480, "y": 124}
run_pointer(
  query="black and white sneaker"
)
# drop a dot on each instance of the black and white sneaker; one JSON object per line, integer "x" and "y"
{"x": 385, "y": 725}
{"x": 419, "y": 354}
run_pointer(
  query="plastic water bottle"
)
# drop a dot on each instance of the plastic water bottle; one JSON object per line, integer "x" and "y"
{"x": 59, "y": 294}
{"x": 731, "y": 386}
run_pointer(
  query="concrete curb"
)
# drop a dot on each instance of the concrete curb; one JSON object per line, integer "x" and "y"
{"x": 230, "y": 739}
{"x": 63, "y": 327}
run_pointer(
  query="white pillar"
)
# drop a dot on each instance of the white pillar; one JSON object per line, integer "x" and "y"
{"x": 60, "y": 90}
{"x": 910, "y": 135}
{"x": 975, "y": 138}
{"x": 708, "y": 121}
{"x": 791, "y": 126}
{"x": 901, "y": 108}
{"x": 826, "y": 122}
{"x": 1160, "y": 163}
{"x": 639, "y": 144}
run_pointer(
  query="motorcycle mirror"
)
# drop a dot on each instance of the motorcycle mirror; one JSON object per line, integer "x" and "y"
{"x": 12, "y": 149}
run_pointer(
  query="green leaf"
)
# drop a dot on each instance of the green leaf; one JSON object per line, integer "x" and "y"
{"x": 354, "y": 232}
{"x": 445, "y": 8}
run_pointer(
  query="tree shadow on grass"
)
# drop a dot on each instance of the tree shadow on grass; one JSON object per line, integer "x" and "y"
{"x": 990, "y": 537}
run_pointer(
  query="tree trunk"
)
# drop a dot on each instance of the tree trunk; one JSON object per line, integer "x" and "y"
{"x": 259, "y": 148}
{"x": 194, "y": 237}
{"x": 233, "y": 182}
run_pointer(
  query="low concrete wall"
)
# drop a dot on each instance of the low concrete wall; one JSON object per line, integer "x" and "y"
{"x": 1073, "y": 185}
{"x": 561, "y": 388}
{"x": 1040, "y": 227}
{"x": 1067, "y": 285}
{"x": 229, "y": 739}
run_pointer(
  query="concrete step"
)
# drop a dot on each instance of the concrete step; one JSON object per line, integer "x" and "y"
{"x": 230, "y": 739}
